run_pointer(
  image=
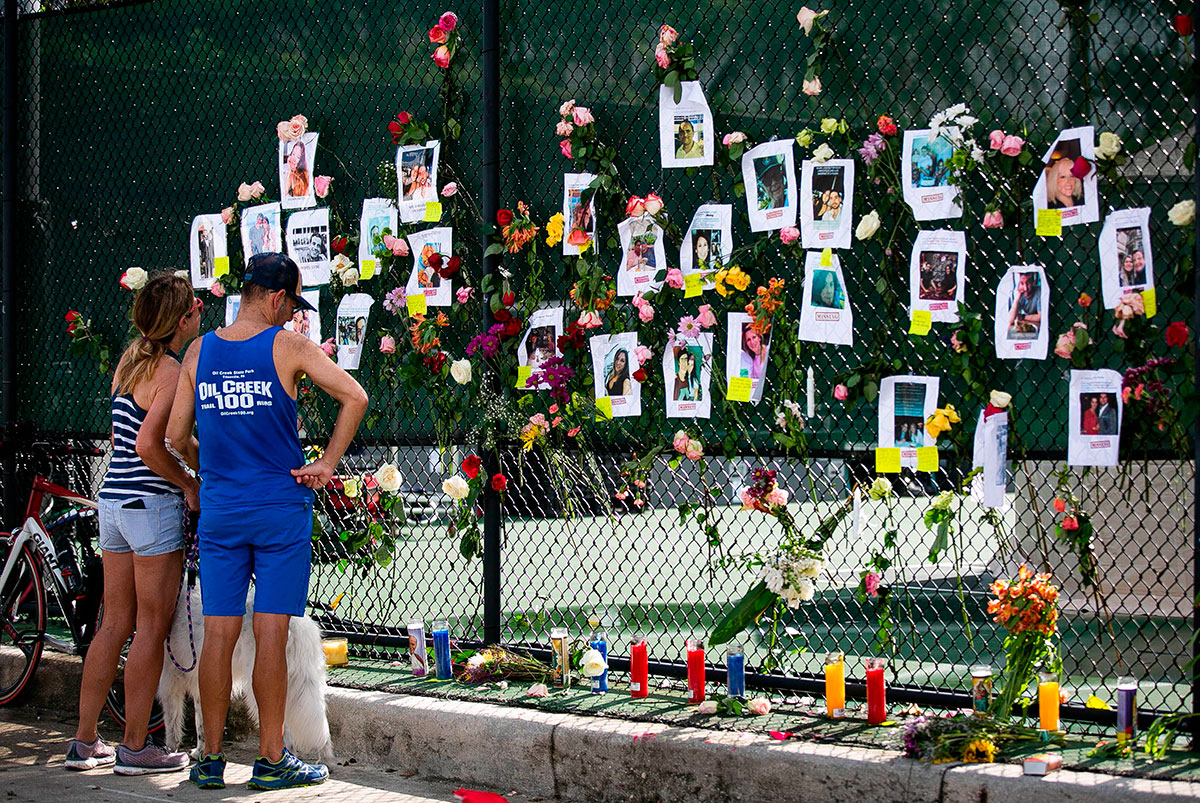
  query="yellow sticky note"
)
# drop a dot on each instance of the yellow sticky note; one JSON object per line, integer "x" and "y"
{"x": 221, "y": 266}
{"x": 887, "y": 461}
{"x": 523, "y": 374}
{"x": 417, "y": 304}
{"x": 927, "y": 458}
{"x": 604, "y": 406}
{"x": 433, "y": 211}
{"x": 739, "y": 389}
{"x": 693, "y": 285}
{"x": 1049, "y": 223}
{"x": 827, "y": 258}
{"x": 368, "y": 268}
{"x": 922, "y": 321}
{"x": 1150, "y": 299}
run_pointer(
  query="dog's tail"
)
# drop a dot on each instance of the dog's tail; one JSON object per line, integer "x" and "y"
{"x": 308, "y": 725}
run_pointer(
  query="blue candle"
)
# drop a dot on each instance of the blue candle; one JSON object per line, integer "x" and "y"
{"x": 1126, "y": 709}
{"x": 441, "y": 650}
{"x": 735, "y": 664}
{"x": 600, "y": 644}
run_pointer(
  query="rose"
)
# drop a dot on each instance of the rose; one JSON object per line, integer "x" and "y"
{"x": 321, "y": 185}
{"x": 338, "y": 244}
{"x": 759, "y": 706}
{"x": 708, "y": 707}
{"x": 460, "y": 371}
{"x": 646, "y": 313}
{"x": 1110, "y": 145}
{"x": 829, "y": 125}
{"x": 504, "y": 217}
{"x": 1183, "y": 213}
{"x": 1070, "y": 523}
{"x": 675, "y": 278}
{"x": 886, "y": 126}
{"x": 1130, "y": 305}
{"x": 1084, "y": 300}
{"x": 667, "y": 35}
{"x": 1183, "y": 24}
{"x": 216, "y": 288}
{"x": 732, "y": 138}
{"x": 72, "y": 316}
{"x": 1177, "y": 334}
{"x": 247, "y": 191}
{"x": 999, "y": 399}
{"x": 537, "y": 690}
{"x": 592, "y": 664}
{"x": 1065, "y": 345}
{"x": 811, "y": 86}
{"x": 993, "y": 220}
{"x": 996, "y": 139}
{"x": 283, "y": 130}
{"x": 881, "y": 488}
{"x": 680, "y": 441}
{"x": 227, "y": 215}
{"x": 448, "y": 20}
{"x": 134, "y": 279}
{"x": 397, "y": 245}
{"x": 564, "y": 129}
{"x": 777, "y": 496}
{"x": 1080, "y": 168}
{"x": 455, "y": 487}
{"x": 329, "y": 348}
{"x": 635, "y": 206}
{"x": 804, "y": 139}
{"x": 695, "y": 450}
{"x": 567, "y": 109}
{"x": 499, "y": 483}
{"x": 590, "y": 320}
{"x": 565, "y": 147}
{"x": 871, "y": 584}
{"x": 387, "y": 344}
{"x": 706, "y": 318}
{"x": 654, "y": 204}
{"x": 450, "y": 189}
{"x": 1060, "y": 505}
{"x": 956, "y": 344}
{"x": 441, "y": 57}
{"x": 464, "y": 294}
{"x": 661, "y": 57}
{"x": 823, "y": 153}
{"x": 806, "y": 17}
{"x": 437, "y": 34}
{"x": 388, "y": 477}
{"x": 1012, "y": 145}
{"x": 867, "y": 226}
{"x": 582, "y": 115}
{"x": 789, "y": 235}
{"x": 470, "y": 465}
{"x": 642, "y": 354}
{"x": 841, "y": 392}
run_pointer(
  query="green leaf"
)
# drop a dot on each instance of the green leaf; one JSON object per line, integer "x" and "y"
{"x": 493, "y": 249}
{"x": 744, "y": 614}
{"x": 941, "y": 541}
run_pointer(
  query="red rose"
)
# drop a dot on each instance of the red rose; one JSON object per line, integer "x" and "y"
{"x": 1070, "y": 523}
{"x": 434, "y": 261}
{"x": 1081, "y": 167}
{"x": 504, "y": 217}
{"x": 1177, "y": 334}
{"x": 512, "y": 328}
{"x": 451, "y": 267}
{"x": 71, "y": 326}
{"x": 404, "y": 118}
{"x": 338, "y": 244}
{"x": 470, "y": 466}
{"x": 499, "y": 482}
{"x": 640, "y": 375}
{"x": 502, "y": 316}
{"x": 437, "y": 34}
{"x": 72, "y": 316}
{"x": 1183, "y": 25}
{"x": 509, "y": 297}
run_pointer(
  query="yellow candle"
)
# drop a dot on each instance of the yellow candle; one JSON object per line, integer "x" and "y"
{"x": 1048, "y": 702}
{"x": 835, "y": 685}
{"x": 335, "y": 652}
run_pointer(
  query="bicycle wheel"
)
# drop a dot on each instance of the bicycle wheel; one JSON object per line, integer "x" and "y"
{"x": 115, "y": 702}
{"x": 22, "y": 625}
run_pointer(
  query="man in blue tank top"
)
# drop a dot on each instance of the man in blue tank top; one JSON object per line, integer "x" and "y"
{"x": 238, "y": 387}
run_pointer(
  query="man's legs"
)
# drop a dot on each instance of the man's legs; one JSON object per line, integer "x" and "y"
{"x": 216, "y": 676}
{"x": 270, "y": 681}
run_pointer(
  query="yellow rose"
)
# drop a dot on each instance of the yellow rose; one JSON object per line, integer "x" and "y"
{"x": 554, "y": 230}
{"x": 829, "y": 126}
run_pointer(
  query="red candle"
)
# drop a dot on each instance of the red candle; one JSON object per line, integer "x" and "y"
{"x": 876, "y": 691}
{"x": 639, "y": 668}
{"x": 695, "y": 670}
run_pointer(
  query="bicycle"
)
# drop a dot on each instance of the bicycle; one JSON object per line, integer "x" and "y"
{"x": 50, "y": 574}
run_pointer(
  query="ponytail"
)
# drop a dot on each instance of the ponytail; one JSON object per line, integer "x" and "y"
{"x": 157, "y": 310}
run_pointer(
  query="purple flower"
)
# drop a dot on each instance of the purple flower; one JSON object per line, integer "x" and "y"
{"x": 394, "y": 302}
{"x": 555, "y": 374}
{"x": 872, "y": 148}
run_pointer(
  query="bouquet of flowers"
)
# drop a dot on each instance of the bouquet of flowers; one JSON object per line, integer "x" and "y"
{"x": 1028, "y": 608}
{"x": 963, "y": 737}
{"x": 497, "y": 663}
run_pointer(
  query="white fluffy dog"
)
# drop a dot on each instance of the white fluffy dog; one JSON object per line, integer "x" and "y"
{"x": 306, "y": 728}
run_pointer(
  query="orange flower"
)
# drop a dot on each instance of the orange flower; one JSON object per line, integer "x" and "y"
{"x": 442, "y": 320}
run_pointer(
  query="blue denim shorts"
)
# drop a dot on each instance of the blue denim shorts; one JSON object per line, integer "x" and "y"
{"x": 146, "y": 526}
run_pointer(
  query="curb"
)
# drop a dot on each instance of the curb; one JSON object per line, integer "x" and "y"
{"x": 566, "y": 758}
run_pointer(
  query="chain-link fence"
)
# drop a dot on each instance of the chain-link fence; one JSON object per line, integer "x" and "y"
{"x": 136, "y": 118}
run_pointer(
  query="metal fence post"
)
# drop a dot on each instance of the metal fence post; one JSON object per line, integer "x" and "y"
{"x": 8, "y": 255}
{"x": 490, "y": 201}
{"x": 1196, "y": 426}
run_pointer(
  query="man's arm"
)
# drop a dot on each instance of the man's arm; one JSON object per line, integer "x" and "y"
{"x": 183, "y": 410}
{"x": 307, "y": 357}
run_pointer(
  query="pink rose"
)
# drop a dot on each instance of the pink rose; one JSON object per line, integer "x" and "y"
{"x": 841, "y": 392}
{"x": 227, "y": 215}
{"x": 283, "y": 130}
{"x": 733, "y": 137}
{"x": 1118, "y": 330}
{"x": 449, "y": 190}
{"x": 329, "y": 348}
{"x": 680, "y": 442}
{"x": 667, "y": 35}
{"x": 464, "y": 294}
{"x": 564, "y": 128}
{"x": 567, "y": 109}
{"x": 993, "y": 220}
{"x": 582, "y": 115}
{"x": 1012, "y": 146}
{"x": 759, "y": 706}
{"x": 646, "y": 313}
{"x": 789, "y": 235}
{"x": 565, "y": 147}
{"x": 217, "y": 289}
{"x": 397, "y": 245}
{"x": 257, "y": 189}
{"x": 538, "y": 690}
{"x": 811, "y": 87}
{"x": 654, "y": 204}
{"x": 449, "y": 21}
{"x": 321, "y": 185}
{"x": 661, "y": 57}
{"x": 387, "y": 344}
{"x": 642, "y": 354}
{"x": 748, "y": 499}
{"x": 675, "y": 278}
{"x": 996, "y": 139}
{"x": 441, "y": 57}
{"x": 1065, "y": 344}
{"x": 956, "y": 344}
{"x": 871, "y": 584}
{"x": 247, "y": 191}
{"x": 777, "y": 496}
{"x": 695, "y": 450}
{"x": 590, "y": 320}
{"x": 705, "y": 317}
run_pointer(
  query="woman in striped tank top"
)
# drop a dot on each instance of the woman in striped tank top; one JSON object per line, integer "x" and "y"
{"x": 141, "y": 532}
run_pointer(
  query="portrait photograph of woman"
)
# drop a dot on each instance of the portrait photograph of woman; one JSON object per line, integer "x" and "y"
{"x": 296, "y": 172}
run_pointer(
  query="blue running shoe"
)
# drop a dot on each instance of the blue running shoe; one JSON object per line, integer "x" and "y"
{"x": 288, "y": 772}
{"x": 209, "y": 772}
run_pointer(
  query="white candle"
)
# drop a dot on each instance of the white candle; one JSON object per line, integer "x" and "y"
{"x": 812, "y": 401}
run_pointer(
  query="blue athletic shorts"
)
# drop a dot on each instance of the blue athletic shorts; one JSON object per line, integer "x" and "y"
{"x": 271, "y": 542}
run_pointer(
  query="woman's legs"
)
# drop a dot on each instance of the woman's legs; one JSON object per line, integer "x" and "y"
{"x": 156, "y": 579}
{"x": 100, "y": 665}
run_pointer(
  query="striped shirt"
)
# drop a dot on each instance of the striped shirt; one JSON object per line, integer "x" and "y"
{"x": 128, "y": 477}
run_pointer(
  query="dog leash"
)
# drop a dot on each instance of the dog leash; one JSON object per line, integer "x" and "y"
{"x": 191, "y": 521}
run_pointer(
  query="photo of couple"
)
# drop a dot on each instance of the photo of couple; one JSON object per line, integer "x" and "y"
{"x": 688, "y": 360}
{"x": 1131, "y": 258}
{"x": 909, "y": 414}
{"x": 828, "y": 195}
{"x": 1098, "y": 414}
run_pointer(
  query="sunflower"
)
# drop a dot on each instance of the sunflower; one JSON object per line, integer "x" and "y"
{"x": 979, "y": 751}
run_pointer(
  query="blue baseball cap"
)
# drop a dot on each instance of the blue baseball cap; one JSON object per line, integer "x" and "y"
{"x": 276, "y": 272}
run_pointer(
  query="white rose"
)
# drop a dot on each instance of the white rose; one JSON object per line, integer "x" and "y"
{"x": 867, "y": 226}
{"x": 135, "y": 278}
{"x": 592, "y": 664}
{"x": 881, "y": 488}
{"x": 822, "y": 153}
{"x": 1110, "y": 145}
{"x": 183, "y": 274}
{"x": 455, "y": 488}
{"x": 349, "y": 276}
{"x": 388, "y": 477}
{"x": 806, "y": 17}
{"x": 1181, "y": 214}
{"x": 999, "y": 398}
{"x": 460, "y": 370}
